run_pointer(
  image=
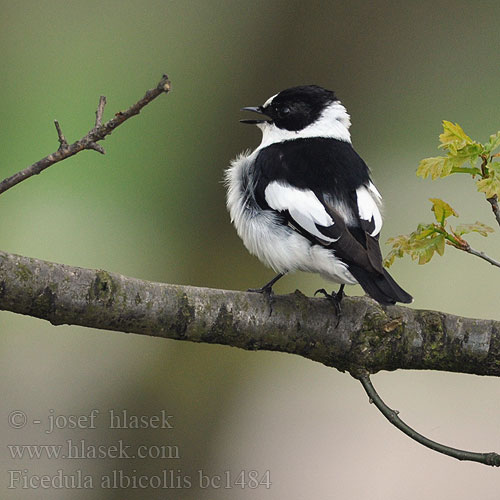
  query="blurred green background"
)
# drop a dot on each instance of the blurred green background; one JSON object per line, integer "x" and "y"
{"x": 154, "y": 207}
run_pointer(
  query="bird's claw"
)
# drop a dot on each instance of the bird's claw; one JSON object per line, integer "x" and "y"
{"x": 335, "y": 298}
{"x": 265, "y": 290}
{"x": 323, "y": 292}
{"x": 268, "y": 293}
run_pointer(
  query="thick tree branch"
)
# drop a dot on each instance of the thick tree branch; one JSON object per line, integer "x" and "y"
{"x": 368, "y": 338}
{"x": 90, "y": 140}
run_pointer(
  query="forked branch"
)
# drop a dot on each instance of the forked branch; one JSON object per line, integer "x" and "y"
{"x": 91, "y": 139}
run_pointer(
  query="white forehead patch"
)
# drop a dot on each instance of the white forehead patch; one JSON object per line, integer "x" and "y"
{"x": 269, "y": 101}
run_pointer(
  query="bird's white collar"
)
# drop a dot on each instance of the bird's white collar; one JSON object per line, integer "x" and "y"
{"x": 333, "y": 123}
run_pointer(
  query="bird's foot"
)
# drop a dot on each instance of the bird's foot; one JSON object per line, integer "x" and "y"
{"x": 267, "y": 292}
{"x": 267, "y": 289}
{"x": 264, "y": 290}
{"x": 335, "y": 298}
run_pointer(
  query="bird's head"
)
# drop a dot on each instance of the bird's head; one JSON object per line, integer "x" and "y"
{"x": 306, "y": 109}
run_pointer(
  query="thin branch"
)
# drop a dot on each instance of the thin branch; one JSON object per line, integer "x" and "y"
{"x": 63, "y": 143}
{"x": 481, "y": 255}
{"x": 99, "y": 112}
{"x": 368, "y": 337}
{"x": 90, "y": 140}
{"x": 494, "y": 207}
{"x": 98, "y": 123}
{"x": 457, "y": 242}
{"x": 493, "y": 201}
{"x": 490, "y": 458}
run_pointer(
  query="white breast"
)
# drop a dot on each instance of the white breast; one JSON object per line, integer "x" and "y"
{"x": 276, "y": 245}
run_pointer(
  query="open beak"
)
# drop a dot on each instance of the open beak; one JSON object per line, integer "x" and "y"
{"x": 255, "y": 109}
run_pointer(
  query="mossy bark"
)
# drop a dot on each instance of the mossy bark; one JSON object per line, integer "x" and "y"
{"x": 368, "y": 338}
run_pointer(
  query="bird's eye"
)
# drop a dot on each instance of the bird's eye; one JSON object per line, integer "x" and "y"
{"x": 285, "y": 111}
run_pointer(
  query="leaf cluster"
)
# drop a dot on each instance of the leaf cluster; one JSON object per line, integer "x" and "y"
{"x": 428, "y": 239}
{"x": 464, "y": 156}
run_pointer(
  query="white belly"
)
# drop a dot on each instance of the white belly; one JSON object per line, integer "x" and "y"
{"x": 276, "y": 245}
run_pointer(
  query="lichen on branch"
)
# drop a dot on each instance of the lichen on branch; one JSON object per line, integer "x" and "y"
{"x": 368, "y": 337}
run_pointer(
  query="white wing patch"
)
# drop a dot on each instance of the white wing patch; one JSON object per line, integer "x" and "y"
{"x": 302, "y": 205}
{"x": 369, "y": 200}
{"x": 375, "y": 193}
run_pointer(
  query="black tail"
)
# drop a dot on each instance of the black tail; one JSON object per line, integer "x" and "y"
{"x": 380, "y": 287}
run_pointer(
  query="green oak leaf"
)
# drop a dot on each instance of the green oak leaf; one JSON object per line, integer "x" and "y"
{"x": 454, "y": 136}
{"x": 423, "y": 231}
{"x": 441, "y": 210}
{"x": 493, "y": 143}
{"x": 470, "y": 152}
{"x": 419, "y": 245}
{"x": 423, "y": 250}
{"x": 477, "y": 227}
{"x": 390, "y": 257}
{"x": 490, "y": 185}
{"x": 435, "y": 167}
{"x": 400, "y": 246}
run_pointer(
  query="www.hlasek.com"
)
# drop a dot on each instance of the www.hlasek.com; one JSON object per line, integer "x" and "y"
{"x": 81, "y": 449}
{"x": 119, "y": 479}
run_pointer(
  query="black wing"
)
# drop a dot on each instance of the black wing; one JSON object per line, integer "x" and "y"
{"x": 323, "y": 190}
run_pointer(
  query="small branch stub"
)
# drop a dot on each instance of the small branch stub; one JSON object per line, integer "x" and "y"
{"x": 99, "y": 112}
{"x": 62, "y": 140}
{"x": 96, "y": 147}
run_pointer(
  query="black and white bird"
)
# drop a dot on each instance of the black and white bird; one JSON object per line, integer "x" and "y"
{"x": 304, "y": 200}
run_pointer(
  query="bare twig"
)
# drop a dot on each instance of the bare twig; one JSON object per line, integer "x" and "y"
{"x": 481, "y": 255}
{"x": 99, "y": 112}
{"x": 458, "y": 242}
{"x": 490, "y": 458}
{"x": 89, "y": 141}
{"x": 63, "y": 143}
{"x": 98, "y": 123}
{"x": 493, "y": 201}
